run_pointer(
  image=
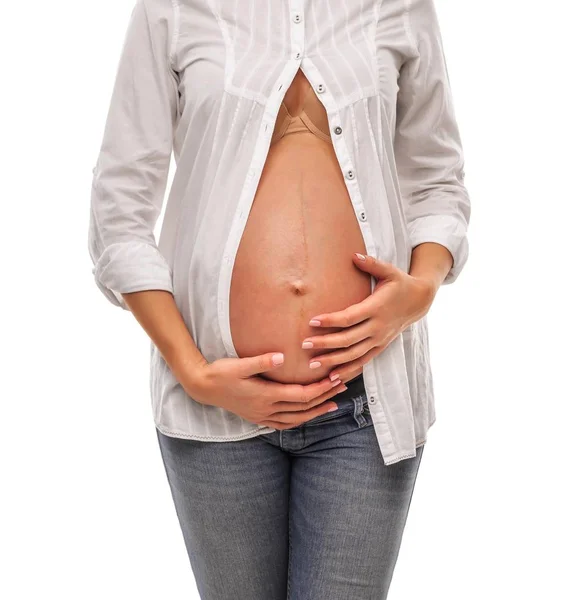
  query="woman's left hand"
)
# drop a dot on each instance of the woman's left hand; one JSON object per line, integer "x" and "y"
{"x": 398, "y": 300}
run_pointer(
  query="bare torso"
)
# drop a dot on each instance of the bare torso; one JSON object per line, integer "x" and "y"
{"x": 294, "y": 258}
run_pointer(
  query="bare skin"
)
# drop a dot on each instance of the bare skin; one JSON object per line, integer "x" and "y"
{"x": 366, "y": 328}
{"x": 294, "y": 256}
{"x": 296, "y": 259}
{"x": 236, "y": 383}
{"x": 231, "y": 383}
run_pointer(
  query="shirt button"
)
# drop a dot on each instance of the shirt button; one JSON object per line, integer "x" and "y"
{"x": 350, "y": 174}
{"x": 362, "y": 215}
{"x": 372, "y": 399}
{"x": 297, "y": 17}
{"x": 338, "y": 130}
{"x": 320, "y": 88}
{"x": 297, "y": 55}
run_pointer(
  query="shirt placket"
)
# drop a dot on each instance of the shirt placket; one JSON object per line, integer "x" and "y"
{"x": 349, "y": 173}
{"x": 296, "y": 53}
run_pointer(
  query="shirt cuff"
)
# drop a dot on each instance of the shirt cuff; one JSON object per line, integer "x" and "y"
{"x": 131, "y": 267}
{"x": 446, "y": 231}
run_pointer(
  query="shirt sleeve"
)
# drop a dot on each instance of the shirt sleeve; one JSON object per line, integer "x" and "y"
{"x": 130, "y": 176}
{"x": 428, "y": 149}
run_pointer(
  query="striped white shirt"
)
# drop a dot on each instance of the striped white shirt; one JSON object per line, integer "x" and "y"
{"x": 204, "y": 80}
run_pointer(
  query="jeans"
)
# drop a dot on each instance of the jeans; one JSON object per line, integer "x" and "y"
{"x": 308, "y": 513}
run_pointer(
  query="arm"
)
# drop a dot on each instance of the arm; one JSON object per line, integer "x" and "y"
{"x": 157, "y": 312}
{"x": 129, "y": 183}
{"x": 131, "y": 172}
{"x": 431, "y": 262}
{"x": 429, "y": 153}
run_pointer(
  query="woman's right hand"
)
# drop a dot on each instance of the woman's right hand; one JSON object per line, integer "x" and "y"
{"x": 231, "y": 383}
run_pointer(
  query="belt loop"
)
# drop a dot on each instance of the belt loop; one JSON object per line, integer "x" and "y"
{"x": 358, "y": 410}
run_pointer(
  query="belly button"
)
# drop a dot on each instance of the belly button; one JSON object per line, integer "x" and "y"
{"x": 299, "y": 287}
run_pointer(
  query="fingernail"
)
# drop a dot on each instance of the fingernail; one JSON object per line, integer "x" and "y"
{"x": 278, "y": 358}
{"x": 335, "y": 407}
{"x": 314, "y": 322}
{"x": 335, "y": 383}
{"x": 335, "y": 376}
{"x": 306, "y": 345}
{"x": 343, "y": 388}
{"x": 360, "y": 256}
{"x": 315, "y": 364}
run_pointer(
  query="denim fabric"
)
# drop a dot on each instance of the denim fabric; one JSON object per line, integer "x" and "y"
{"x": 308, "y": 513}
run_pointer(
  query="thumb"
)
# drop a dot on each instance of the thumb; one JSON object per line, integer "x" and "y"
{"x": 379, "y": 268}
{"x": 252, "y": 365}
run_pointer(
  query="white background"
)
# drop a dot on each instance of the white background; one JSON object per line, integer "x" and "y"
{"x": 86, "y": 509}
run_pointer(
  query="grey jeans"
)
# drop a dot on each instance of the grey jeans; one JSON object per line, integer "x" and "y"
{"x": 308, "y": 513}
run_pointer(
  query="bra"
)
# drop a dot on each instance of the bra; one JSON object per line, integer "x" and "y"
{"x": 312, "y": 118}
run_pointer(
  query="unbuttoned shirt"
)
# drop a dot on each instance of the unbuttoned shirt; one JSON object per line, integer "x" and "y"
{"x": 204, "y": 80}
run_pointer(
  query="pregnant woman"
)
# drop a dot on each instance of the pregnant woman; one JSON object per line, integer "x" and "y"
{"x": 318, "y": 204}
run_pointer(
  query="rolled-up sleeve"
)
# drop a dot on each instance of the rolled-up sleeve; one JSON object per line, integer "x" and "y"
{"x": 428, "y": 149}
{"x": 130, "y": 175}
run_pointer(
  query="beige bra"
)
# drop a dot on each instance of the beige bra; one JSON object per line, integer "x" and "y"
{"x": 312, "y": 118}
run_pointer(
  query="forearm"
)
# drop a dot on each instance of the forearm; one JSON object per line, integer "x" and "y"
{"x": 157, "y": 312}
{"x": 431, "y": 261}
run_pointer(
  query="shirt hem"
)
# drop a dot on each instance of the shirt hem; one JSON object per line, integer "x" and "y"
{"x": 400, "y": 457}
{"x": 216, "y": 438}
{"x": 263, "y": 429}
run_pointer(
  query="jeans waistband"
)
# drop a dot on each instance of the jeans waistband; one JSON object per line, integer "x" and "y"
{"x": 355, "y": 387}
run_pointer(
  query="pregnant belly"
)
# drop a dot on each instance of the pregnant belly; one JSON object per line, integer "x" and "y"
{"x": 294, "y": 258}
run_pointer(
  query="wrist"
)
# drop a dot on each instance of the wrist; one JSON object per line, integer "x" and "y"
{"x": 195, "y": 382}
{"x": 429, "y": 282}
{"x": 189, "y": 369}
{"x": 430, "y": 263}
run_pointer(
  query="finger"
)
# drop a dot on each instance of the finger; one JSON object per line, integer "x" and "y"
{"x": 340, "y": 339}
{"x": 353, "y": 314}
{"x": 287, "y": 420}
{"x": 302, "y": 393}
{"x": 357, "y": 364}
{"x": 289, "y": 406}
{"x": 252, "y": 365}
{"x": 376, "y": 267}
{"x": 297, "y": 392}
{"x": 349, "y": 373}
{"x": 339, "y": 357}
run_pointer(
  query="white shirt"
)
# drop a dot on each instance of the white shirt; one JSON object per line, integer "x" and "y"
{"x": 204, "y": 79}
